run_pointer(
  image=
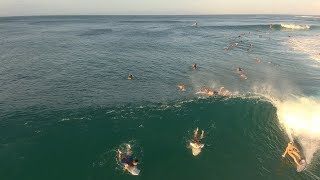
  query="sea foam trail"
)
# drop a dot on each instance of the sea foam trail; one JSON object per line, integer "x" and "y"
{"x": 307, "y": 45}
{"x": 300, "y": 118}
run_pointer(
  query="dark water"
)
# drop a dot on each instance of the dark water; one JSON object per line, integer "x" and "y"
{"x": 66, "y": 104}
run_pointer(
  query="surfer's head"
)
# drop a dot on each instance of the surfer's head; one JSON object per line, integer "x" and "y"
{"x": 135, "y": 162}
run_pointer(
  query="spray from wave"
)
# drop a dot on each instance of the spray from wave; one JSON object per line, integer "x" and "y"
{"x": 298, "y": 116}
{"x": 301, "y": 119}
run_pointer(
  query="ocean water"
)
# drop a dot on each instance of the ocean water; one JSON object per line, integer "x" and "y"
{"x": 66, "y": 104}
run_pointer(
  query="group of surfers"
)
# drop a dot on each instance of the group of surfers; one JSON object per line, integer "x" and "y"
{"x": 128, "y": 161}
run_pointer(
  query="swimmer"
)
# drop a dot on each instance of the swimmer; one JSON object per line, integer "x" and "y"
{"x": 130, "y": 76}
{"x": 243, "y": 76}
{"x": 127, "y": 160}
{"x": 194, "y": 66}
{"x": 196, "y": 140}
{"x": 234, "y": 45}
{"x": 195, "y": 24}
{"x": 220, "y": 92}
{"x": 240, "y": 69}
{"x": 293, "y": 152}
{"x": 181, "y": 87}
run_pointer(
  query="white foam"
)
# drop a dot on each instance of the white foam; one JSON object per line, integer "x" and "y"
{"x": 295, "y": 26}
{"x": 316, "y": 17}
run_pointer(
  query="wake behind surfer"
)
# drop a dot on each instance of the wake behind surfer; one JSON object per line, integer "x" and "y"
{"x": 293, "y": 153}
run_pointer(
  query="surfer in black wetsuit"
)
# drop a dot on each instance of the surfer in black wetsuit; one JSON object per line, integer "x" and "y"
{"x": 130, "y": 76}
{"x": 194, "y": 66}
{"x": 127, "y": 160}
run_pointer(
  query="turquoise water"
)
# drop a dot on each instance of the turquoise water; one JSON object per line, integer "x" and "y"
{"x": 66, "y": 104}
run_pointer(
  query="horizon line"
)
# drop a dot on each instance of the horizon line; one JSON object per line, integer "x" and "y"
{"x": 241, "y": 14}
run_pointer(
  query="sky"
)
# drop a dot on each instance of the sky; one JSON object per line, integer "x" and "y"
{"x": 157, "y": 7}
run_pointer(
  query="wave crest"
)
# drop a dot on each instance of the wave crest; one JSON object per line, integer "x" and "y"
{"x": 295, "y": 26}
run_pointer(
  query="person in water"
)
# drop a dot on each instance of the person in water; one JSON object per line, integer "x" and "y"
{"x": 127, "y": 160}
{"x": 293, "y": 152}
{"x": 240, "y": 69}
{"x": 194, "y": 66}
{"x": 130, "y": 76}
{"x": 181, "y": 87}
{"x": 208, "y": 92}
{"x": 196, "y": 140}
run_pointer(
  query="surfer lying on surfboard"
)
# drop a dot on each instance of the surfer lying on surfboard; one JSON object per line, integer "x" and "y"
{"x": 181, "y": 87}
{"x": 207, "y": 91}
{"x": 293, "y": 152}
{"x": 127, "y": 160}
{"x": 196, "y": 140}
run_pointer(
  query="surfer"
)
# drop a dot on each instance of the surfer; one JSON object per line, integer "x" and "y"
{"x": 293, "y": 152}
{"x": 240, "y": 69}
{"x": 209, "y": 92}
{"x": 181, "y": 87}
{"x": 196, "y": 140}
{"x": 194, "y": 66}
{"x": 130, "y": 76}
{"x": 127, "y": 160}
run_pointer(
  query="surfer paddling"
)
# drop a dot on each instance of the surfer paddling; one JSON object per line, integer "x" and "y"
{"x": 196, "y": 140}
{"x": 127, "y": 160}
{"x": 293, "y": 153}
{"x": 130, "y": 76}
{"x": 194, "y": 66}
{"x": 181, "y": 87}
{"x": 207, "y": 91}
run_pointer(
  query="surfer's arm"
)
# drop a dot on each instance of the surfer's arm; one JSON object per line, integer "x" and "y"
{"x": 284, "y": 154}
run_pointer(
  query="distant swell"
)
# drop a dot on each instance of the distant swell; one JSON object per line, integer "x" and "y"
{"x": 94, "y": 32}
{"x": 279, "y": 27}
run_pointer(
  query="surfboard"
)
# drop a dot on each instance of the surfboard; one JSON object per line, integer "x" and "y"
{"x": 302, "y": 165}
{"x": 133, "y": 170}
{"x": 243, "y": 76}
{"x": 200, "y": 92}
{"x": 196, "y": 149}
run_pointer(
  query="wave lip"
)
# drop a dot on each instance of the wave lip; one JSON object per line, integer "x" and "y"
{"x": 295, "y": 26}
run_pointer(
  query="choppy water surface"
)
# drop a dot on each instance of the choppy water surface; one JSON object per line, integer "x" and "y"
{"x": 66, "y": 104}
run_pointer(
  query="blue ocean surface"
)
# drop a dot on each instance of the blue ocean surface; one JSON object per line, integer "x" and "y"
{"x": 66, "y": 105}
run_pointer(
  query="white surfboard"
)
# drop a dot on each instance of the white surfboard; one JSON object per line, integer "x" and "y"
{"x": 133, "y": 170}
{"x": 302, "y": 165}
{"x": 196, "y": 149}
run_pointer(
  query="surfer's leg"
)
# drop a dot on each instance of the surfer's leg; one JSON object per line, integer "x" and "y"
{"x": 195, "y": 133}
{"x": 202, "y": 134}
{"x": 297, "y": 154}
{"x": 119, "y": 155}
{"x": 294, "y": 158}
